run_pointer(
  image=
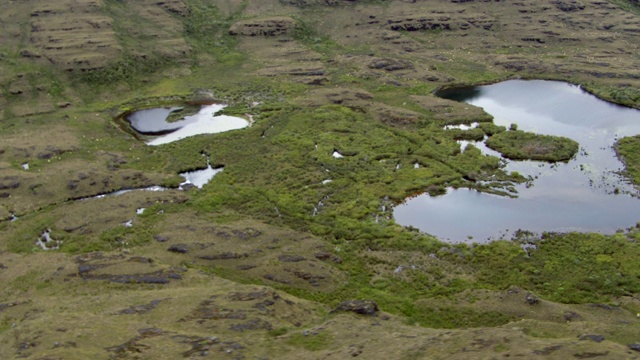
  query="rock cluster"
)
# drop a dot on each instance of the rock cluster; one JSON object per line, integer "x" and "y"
{"x": 271, "y": 26}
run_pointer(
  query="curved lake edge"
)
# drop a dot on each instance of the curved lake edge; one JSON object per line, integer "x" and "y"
{"x": 121, "y": 122}
{"x": 474, "y": 100}
{"x": 589, "y": 88}
{"x": 202, "y": 97}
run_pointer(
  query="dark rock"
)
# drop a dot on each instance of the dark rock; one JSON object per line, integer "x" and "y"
{"x": 49, "y": 153}
{"x": 246, "y": 267}
{"x": 8, "y": 305}
{"x": 635, "y": 347}
{"x": 325, "y": 255}
{"x": 596, "y": 338}
{"x": 199, "y": 345}
{"x": 363, "y": 307}
{"x": 84, "y": 269}
{"x": 179, "y": 248}
{"x": 29, "y": 54}
{"x": 253, "y": 324}
{"x": 253, "y": 295}
{"x": 390, "y": 64}
{"x": 571, "y": 316}
{"x": 11, "y": 184}
{"x": 568, "y": 5}
{"x": 143, "y": 279}
{"x": 139, "y": 309}
{"x": 313, "y": 279}
{"x": 590, "y": 355}
{"x": 72, "y": 184}
{"x": 274, "y": 278}
{"x": 604, "y": 306}
{"x": 548, "y": 350}
{"x": 306, "y": 71}
{"x": 426, "y": 22}
{"x": 531, "y": 299}
{"x": 291, "y": 258}
{"x": 159, "y": 238}
{"x": 247, "y": 233}
{"x": 89, "y": 257}
{"x": 224, "y": 256}
{"x": 271, "y": 26}
{"x": 158, "y": 277}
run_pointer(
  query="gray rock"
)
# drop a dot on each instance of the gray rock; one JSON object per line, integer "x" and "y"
{"x": 291, "y": 258}
{"x": 179, "y": 248}
{"x": 531, "y": 299}
{"x": 596, "y": 338}
{"x": 363, "y": 307}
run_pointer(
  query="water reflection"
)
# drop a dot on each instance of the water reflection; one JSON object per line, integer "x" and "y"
{"x": 199, "y": 178}
{"x": 584, "y": 194}
{"x": 154, "y": 122}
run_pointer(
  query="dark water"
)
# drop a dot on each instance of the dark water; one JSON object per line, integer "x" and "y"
{"x": 585, "y": 194}
{"x": 154, "y": 121}
{"x": 205, "y": 121}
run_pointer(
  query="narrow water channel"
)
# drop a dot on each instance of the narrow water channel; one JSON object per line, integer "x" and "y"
{"x": 585, "y": 194}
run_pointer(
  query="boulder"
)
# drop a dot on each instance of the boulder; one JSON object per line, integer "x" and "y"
{"x": 362, "y": 307}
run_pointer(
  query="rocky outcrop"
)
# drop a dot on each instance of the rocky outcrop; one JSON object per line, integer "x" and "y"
{"x": 84, "y": 40}
{"x": 439, "y": 21}
{"x": 362, "y": 307}
{"x": 177, "y": 7}
{"x": 390, "y": 64}
{"x": 271, "y": 26}
{"x": 568, "y": 5}
{"x": 531, "y": 299}
{"x": 80, "y": 35}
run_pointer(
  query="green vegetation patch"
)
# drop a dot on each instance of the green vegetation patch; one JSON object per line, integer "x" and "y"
{"x": 521, "y": 145}
{"x": 312, "y": 342}
{"x": 628, "y": 149}
{"x": 568, "y": 268}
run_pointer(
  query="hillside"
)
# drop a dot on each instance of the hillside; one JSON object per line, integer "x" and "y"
{"x": 289, "y": 251}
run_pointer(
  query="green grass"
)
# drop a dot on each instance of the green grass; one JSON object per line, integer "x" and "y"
{"x": 568, "y": 268}
{"x": 520, "y": 145}
{"x": 628, "y": 149}
{"x": 278, "y": 179}
{"x": 311, "y": 342}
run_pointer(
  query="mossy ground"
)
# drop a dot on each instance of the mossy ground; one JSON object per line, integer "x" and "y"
{"x": 269, "y": 246}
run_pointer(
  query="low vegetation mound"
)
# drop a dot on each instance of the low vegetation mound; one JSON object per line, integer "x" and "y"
{"x": 521, "y": 145}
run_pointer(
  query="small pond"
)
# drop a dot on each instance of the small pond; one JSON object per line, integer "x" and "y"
{"x": 584, "y": 194}
{"x": 153, "y": 122}
{"x": 200, "y": 177}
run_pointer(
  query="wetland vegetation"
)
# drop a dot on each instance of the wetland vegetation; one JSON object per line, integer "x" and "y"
{"x": 252, "y": 263}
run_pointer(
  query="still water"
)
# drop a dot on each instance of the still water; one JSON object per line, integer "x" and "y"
{"x": 585, "y": 194}
{"x": 154, "y": 122}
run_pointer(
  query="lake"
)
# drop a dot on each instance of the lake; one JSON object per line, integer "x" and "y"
{"x": 585, "y": 194}
{"x": 153, "y": 122}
